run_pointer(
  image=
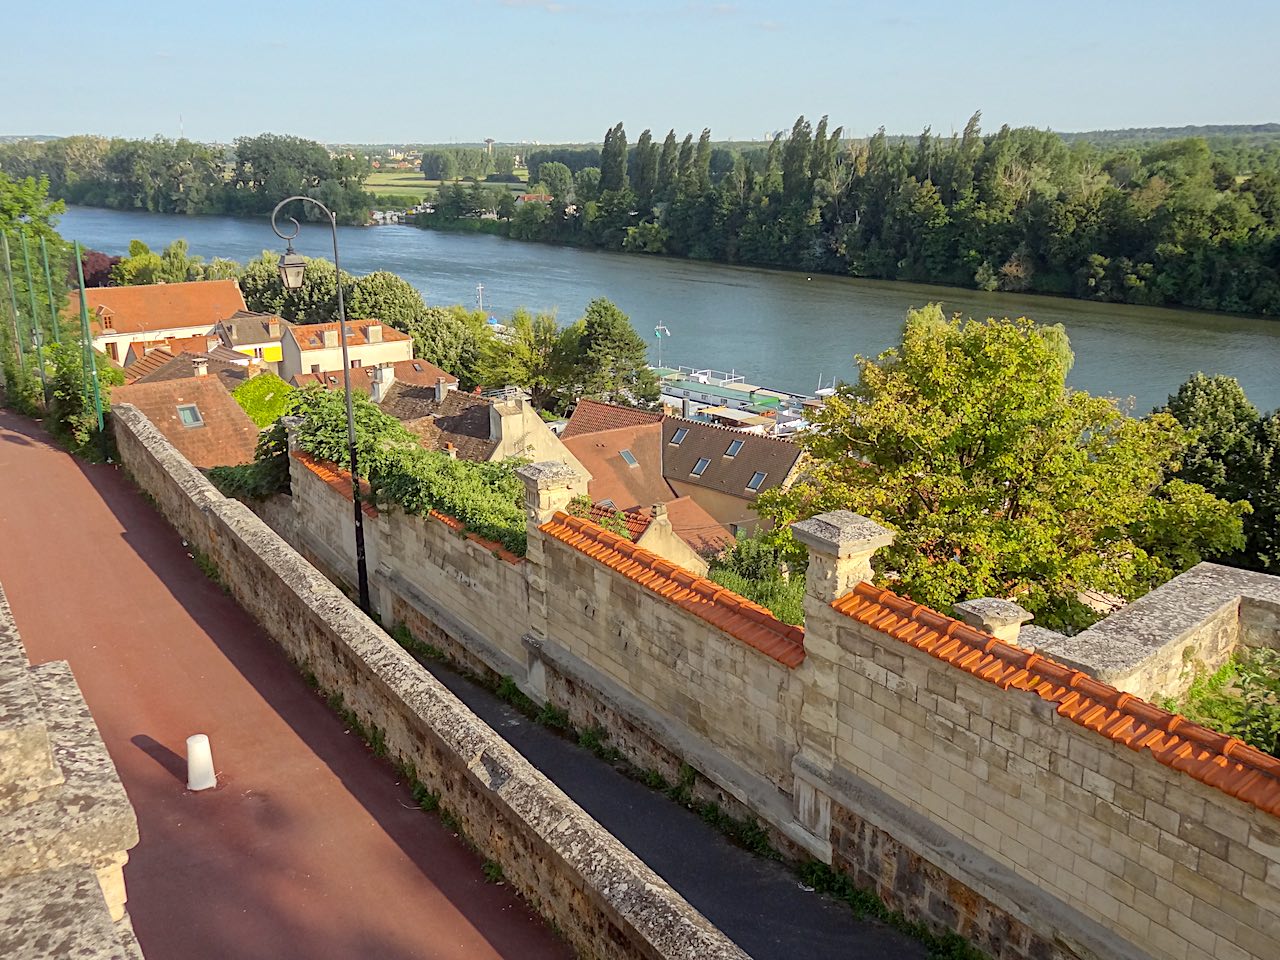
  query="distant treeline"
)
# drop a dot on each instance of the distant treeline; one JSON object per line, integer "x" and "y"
{"x": 1176, "y": 222}
{"x": 180, "y": 176}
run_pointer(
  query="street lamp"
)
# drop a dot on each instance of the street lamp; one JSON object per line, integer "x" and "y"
{"x": 292, "y": 267}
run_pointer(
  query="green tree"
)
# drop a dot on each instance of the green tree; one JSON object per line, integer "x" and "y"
{"x": 1223, "y": 426}
{"x": 558, "y": 179}
{"x": 668, "y": 168}
{"x": 536, "y": 354}
{"x": 997, "y": 478}
{"x": 175, "y": 265}
{"x": 387, "y": 297}
{"x": 315, "y": 302}
{"x": 586, "y": 185}
{"x": 614, "y": 358}
{"x": 645, "y": 166}
{"x": 613, "y": 160}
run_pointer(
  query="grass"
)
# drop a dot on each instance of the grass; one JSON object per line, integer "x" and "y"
{"x": 412, "y": 183}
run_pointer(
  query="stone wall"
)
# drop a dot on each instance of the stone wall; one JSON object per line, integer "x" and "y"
{"x": 1156, "y": 645}
{"x": 968, "y": 806}
{"x": 66, "y": 825}
{"x": 606, "y": 902}
{"x": 1118, "y": 841}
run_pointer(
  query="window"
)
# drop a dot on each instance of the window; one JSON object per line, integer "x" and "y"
{"x": 629, "y": 457}
{"x": 700, "y": 467}
{"x": 733, "y": 449}
{"x": 355, "y": 363}
{"x": 757, "y": 478}
{"x": 189, "y": 414}
{"x": 257, "y": 352}
{"x": 315, "y": 368}
{"x": 677, "y": 438}
{"x": 417, "y": 367}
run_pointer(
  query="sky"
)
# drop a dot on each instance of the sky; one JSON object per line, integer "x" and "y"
{"x": 556, "y": 71}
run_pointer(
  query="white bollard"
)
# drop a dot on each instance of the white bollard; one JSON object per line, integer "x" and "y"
{"x": 200, "y": 775}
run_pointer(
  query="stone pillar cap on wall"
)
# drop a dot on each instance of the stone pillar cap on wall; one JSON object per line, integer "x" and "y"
{"x": 991, "y": 613}
{"x": 548, "y": 474}
{"x": 842, "y": 534}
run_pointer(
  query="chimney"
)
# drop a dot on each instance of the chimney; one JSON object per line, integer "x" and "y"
{"x": 330, "y": 338}
{"x": 200, "y": 366}
{"x": 373, "y": 333}
{"x": 273, "y": 328}
{"x": 504, "y": 420}
{"x": 441, "y": 388}
{"x": 381, "y": 380}
{"x": 686, "y": 408}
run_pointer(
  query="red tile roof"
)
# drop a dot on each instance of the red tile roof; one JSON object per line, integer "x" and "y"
{"x": 1212, "y": 758}
{"x": 311, "y": 336}
{"x": 416, "y": 372}
{"x": 735, "y": 615}
{"x": 160, "y": 306}
{"x": 226, "y": 436}
{"x": 591, "y": 416}
{"x": 146, "y": 364}
{"x": 637, "y": 523}
{"x": 696, "y": 527}
{"x": 612, "y": 478}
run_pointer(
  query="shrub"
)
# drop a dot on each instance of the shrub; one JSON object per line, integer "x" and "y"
{"x": 754, "y": 568}
{"x": 265, "y": 398}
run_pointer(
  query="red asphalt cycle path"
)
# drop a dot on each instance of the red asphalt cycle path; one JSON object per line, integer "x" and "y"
{"x": 309, "y": 848}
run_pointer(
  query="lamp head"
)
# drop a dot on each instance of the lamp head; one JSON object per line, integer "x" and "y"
{"x": 292, "y": 267}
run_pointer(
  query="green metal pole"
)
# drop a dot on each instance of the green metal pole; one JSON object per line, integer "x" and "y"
{"x": 13, "y": 302}
{"x": 48, "y": 283}
{"x": 88, "y": 341}
{"x": 35, "y": 320}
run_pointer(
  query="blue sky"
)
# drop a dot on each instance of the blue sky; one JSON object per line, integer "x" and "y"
{"x": 565, "y": 70}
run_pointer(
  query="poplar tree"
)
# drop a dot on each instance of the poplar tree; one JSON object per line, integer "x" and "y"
{"x": 613, "y": 160}
{"x": 646, "y": 170}
{"x": 668, "y": 167}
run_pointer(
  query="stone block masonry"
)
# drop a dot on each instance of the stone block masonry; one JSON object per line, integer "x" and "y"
{"x": 66, "y": 825}
{"x": 1043, "y": 814}
{"x": 606, "y": 902}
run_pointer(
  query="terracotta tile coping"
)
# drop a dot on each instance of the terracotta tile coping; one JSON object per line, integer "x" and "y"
{"x": 340, "y": 480}
{"x": 1212, "y": 758}
{"x": 735, "y": 615}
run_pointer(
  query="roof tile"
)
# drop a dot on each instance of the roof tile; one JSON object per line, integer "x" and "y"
{"x": 749, "y": 622}
{"x": 1212, "y": 758}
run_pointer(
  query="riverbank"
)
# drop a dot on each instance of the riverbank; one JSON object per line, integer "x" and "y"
{"x": 786, "y": 329}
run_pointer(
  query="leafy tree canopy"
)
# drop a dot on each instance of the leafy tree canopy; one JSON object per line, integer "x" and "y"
{"x": 613, "y": 360}
{"x": 265, "y": 398}
{"x": 1000, "y": 480}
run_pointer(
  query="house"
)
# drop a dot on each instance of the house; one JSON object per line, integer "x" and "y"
{"x": 316, "y": 348}
{"x": 187, "y": 366}
{"x": 256, "y": 335}
{"x": 625, "y": 468}
{"x": 472, "y": 427}
{"x": 418, "y": 373}
{"x": 667, "y": 532}
{"x": 121, "y": 316}
{"x": 534, "y": 198}
{"x": 198, "y": 416}
{"x": 719, "y": 469}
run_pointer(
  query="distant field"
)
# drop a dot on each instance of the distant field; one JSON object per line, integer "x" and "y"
{"x": 412, "y": 183}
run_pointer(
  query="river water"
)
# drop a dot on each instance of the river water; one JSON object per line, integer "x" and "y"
{"x": 783, "y": 330}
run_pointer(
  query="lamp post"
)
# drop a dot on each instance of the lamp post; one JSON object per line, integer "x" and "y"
{"x": 292, "y": 267}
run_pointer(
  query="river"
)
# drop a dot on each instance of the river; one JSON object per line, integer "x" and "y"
{"x": 783, "y": 330}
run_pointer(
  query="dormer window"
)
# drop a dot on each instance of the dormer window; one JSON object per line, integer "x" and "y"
{"x": 733, "y": 449}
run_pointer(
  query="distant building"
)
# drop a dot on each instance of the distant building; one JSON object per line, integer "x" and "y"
{"x": 198, "y": 416}
{"x": 121, "y": 316}
{"x": 719, "y": 469}
{"x": 256, "y": 335}
{"x": 316, "y": 348}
